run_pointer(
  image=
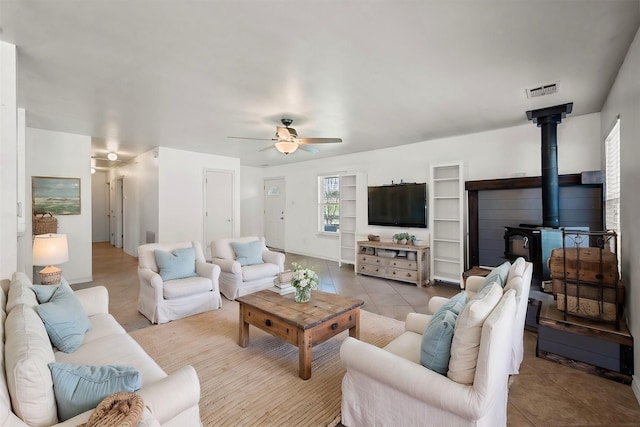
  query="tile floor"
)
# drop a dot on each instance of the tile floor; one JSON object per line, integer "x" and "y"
{"x": 543, "y": 394}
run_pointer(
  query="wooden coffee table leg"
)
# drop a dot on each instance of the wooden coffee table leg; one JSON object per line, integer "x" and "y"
{"x": 354, "y": 331}
{"x": 304, "y": 354}
{"x": 243, "y": 338}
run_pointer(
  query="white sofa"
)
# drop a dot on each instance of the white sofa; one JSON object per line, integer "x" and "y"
{"x": 161, "y": 301}
{"x": 389, "y": 387}
{"x": 237, "y": 280}
{"x": 26, "y": 385}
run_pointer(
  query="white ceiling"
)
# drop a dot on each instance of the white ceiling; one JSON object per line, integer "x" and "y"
{"x": 188, "y": 74}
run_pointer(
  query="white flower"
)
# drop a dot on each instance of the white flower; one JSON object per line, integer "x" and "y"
{"x": 304, "y": 277}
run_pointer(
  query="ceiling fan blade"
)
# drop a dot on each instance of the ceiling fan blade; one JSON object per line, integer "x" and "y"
{"x": 317, "y": 140}
{"x": 254, "y": 139}
{"x": 283, "y": 133}
{"x": 271, "y": 147}
{"x": 307, "y": 148}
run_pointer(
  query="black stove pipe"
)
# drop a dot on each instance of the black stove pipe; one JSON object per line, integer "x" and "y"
{"x": 547, "y": 120}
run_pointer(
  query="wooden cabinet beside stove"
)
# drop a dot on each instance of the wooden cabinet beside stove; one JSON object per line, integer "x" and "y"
{"x": 413, "y": 267}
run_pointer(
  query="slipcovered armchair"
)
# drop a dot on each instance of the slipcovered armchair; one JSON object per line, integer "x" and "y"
{"x": 176, "y": 281}
{"x": 389, "y": 386}
{"x": 247, "y": 272}
{"x": 518, "y": 277}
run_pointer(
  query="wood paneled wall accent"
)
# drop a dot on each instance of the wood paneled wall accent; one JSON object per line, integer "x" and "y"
{"x": 589, "y": 185}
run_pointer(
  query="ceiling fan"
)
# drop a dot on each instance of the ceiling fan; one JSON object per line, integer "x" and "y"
{"x": 287, "y": 141}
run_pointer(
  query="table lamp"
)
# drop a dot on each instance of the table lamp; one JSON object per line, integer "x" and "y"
{"x": 50, "y": 249}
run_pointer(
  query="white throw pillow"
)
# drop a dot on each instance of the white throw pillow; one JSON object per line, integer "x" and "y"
{"x": 27, "y": 353}
{"x": 517, "y": 268}
{"x": 466, "y": 335}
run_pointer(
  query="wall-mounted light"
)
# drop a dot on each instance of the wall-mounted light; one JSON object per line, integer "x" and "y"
{"x": 112, "y": 156}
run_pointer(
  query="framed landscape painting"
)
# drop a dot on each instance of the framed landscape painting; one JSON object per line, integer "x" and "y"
{"x": 60, "y": 196}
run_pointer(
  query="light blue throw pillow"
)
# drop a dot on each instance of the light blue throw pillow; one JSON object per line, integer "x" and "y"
{"x": 248, "y": 253}
{"x": 455, "y": 304}
{"x": 499, "y": 274}
{"x": 435, "y": 350}
{"x": 64, "y": 319}
{"x": 436, "y": 341}
{"x": 178, "y": 264}
{"x": 79, "y": 388}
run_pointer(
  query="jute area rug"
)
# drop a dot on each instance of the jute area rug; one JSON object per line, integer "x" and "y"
{"x": 259, "y": 384}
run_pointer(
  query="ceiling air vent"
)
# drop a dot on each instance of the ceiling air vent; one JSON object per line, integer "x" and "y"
{"x": 542, "y": 90}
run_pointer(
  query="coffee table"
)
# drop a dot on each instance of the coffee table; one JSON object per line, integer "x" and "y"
{"x": 301, "y": 324}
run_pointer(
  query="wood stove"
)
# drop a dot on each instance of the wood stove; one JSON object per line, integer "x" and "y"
{"x": 534, "y": 242}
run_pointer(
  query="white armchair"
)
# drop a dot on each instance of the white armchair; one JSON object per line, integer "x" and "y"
{"x": 519, "y": 278}
{"x": 237, "y": 280}
{"x": 389, "y": 386}
{"x": 162, "y": 301}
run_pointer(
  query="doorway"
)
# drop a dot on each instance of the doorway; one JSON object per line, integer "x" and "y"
{"x": 274, "y": 212}
{"x": 218, "y": 206}
{"x": 119, "y": 213}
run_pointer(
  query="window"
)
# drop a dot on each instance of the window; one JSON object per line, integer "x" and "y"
{"x": 329, "y": 204}
{"x": 612, "y": 202}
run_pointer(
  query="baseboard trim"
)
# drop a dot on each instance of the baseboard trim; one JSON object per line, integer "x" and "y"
{"x": 311, "y": 255}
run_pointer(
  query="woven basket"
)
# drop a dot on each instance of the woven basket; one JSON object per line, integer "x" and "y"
{"x": 122, "y": 409}
{"x": 44, "y": 223}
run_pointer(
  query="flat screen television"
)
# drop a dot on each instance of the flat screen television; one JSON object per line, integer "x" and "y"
{"x": 399, "y": 205}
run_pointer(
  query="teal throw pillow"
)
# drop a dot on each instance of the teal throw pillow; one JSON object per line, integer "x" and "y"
{"x": 248, "y": 253}
{"x": 435, "y": 351}
{"x": 455, "y": 304}
{"x": 178, "y": 264}
{"x": 498, "y": 274}
{"x": 64, "y": 319}
{"x": 79, "y": 388}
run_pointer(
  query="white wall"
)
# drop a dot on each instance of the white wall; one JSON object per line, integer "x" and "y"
{"x": 181, "y": 193}
{"x": 500, "y": 153}
{"x": 624, "y": 100}
{"x": 251, "y": 201}
{"x": 59, "y": 154}
{"x": 99, "y": 226}
{"x": 140, "y": 198}
{"x": 8, "y": 162}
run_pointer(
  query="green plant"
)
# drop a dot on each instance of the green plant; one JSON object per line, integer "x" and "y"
{"x": 401, "y": 236}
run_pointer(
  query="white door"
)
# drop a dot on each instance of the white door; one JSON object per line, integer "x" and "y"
{"x": 218, "y": 215}
{"x": 274, "y": 212}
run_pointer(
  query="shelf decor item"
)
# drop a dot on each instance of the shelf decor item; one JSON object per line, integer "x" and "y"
{"x": 44, "y": 223}
{"x": 304, "y": 279}
{"x": 402, "y": 238}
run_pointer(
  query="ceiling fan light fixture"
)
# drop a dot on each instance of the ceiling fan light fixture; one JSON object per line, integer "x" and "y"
{"x": 286, "y": 147}
{"x": 112, "y": 156}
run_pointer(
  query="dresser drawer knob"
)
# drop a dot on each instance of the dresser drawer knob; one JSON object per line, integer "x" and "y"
{"x": 334, "y": 326}
{"x": 268, "y": 322}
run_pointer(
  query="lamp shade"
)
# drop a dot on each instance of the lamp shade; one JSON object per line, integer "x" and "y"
{"x": 286, "y": 147}
{"x": 50, "y": 249}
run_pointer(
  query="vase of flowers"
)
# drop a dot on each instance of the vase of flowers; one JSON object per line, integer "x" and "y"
{"x": 304, "y": 279}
